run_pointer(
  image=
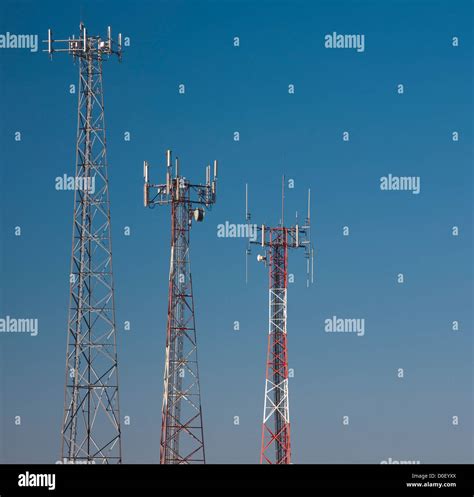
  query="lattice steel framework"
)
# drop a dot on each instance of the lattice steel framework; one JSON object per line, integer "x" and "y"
{"x": 182, "y": 434}
{"x": 276, "y": 438}
{"x": 91, "y": 425}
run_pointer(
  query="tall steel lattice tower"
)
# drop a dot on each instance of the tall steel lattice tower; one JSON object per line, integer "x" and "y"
{"x": 182, "y": 435}
{"x": 91, "y": 423}
{"x": 277, "y": 241}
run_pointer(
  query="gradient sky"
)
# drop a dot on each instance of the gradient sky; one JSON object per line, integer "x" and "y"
{"x": 245, "y": 89}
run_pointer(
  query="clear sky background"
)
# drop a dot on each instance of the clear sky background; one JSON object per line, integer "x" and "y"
{"x": 245, "y": 89}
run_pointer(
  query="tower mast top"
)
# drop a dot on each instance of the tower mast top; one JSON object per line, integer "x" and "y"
{"x": 85, "y": 46}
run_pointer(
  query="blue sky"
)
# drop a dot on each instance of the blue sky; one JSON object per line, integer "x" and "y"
{"x": 245, "y": 89}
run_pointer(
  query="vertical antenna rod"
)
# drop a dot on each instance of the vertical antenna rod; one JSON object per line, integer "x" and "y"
{"x": 276, "y": 439}
{"x": 182, "y": 434}
{"x": 283, "y": 200}
{"x": 247, "y": 221}
{"x": 91, "y": 431}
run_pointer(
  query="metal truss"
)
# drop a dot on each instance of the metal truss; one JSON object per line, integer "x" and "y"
{"x": 276, "y": 438}
{"x": 182, "y": 434}
{"x": 91, "y": 425}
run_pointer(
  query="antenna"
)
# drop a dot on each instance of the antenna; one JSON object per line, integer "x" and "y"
{"x": 309, "y": 207}
{"x": 283, "y": 200}
{"x": 50, "y": 41}
{"x": 145, "y": 170}
{"x": 182, "y": 434}
{"x": 247, "y": 215}
{"x": 84, "y": 46}
{"x": 275, "y": 440}
{"x": 145, "y": 186}
{"x": 247, "y": 219}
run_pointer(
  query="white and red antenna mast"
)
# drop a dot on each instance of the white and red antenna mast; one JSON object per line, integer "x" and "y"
{"x": 182, "y": 434}
{"x": 277, "y": 241}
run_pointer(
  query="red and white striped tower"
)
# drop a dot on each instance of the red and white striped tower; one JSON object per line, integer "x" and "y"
{"x": 182, "y": 434}
{"x": 276, "y": 438}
